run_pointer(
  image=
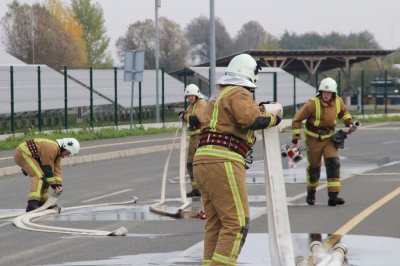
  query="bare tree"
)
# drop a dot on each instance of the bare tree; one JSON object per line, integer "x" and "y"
{"x": 141, "y": 36}
{"x": 198, "y": 34}
{"x": 253, "y": 36}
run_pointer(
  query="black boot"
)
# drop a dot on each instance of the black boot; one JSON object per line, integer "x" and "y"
{"x": 310, "y": 197}
{"x": 193, "y": 193}
{"x": 334, "y": 199}
{"x": 32, "y": 204}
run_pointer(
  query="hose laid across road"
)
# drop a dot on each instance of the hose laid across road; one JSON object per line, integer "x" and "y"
{"x": 25, "y": 221}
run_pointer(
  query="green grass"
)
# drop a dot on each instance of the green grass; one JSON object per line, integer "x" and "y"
{"x": 108, "y": 133}
{"x": 82, "y": 135}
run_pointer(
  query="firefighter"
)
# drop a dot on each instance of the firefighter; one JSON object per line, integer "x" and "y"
{"x": 320, "y": 113}
{"x": 41, "y": 159}
{"x": 194, "y": 116}
{"x": 225, "y": 148}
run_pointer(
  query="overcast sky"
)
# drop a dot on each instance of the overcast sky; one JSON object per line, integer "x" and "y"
{"x": 380, "y": 17}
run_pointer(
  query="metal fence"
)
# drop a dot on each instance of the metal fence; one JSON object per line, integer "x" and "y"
{"x": 39, "y": 97}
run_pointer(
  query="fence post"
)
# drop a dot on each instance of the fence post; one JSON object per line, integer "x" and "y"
{"x": 385, "y": 99}
{"x": 140, "y": 102}
{"x": 91, "y": 96}
{"x": 185, "y": 84}
{"x": 115, "y": 98}
{"x": 39, "y": 99}
{"x": 65, "y": 98}
{"x": 275, "y": 87}
{"x": 362, "y": 92}
{"x": 294, "y": 93}
{"x": 12, "y": 99}
{"x": 162, "y": 96}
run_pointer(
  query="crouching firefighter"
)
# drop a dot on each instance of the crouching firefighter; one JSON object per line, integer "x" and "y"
{"x": 40, "y": 159}
{"x": 225, "y": 143}
{"x": 320, "y": 113}
{"x": 194, "y": 117}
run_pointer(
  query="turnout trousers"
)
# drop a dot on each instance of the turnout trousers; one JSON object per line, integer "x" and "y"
{"x": 39, "y": 189}
{"x": 224, "y": 194}
{"x": 193, "y": 143}
{"x": 316, "y": 150}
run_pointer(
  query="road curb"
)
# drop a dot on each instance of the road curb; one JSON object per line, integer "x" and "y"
{"x": 11, "y": 170}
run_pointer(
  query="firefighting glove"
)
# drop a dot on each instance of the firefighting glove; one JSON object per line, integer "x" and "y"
{"x": 181, "y": 115}
{"x": 58, "y": 188}
{"x": 261, "y": 104}
{"x": 193, "y": 121}
{"x": 23, "y": 172}
{"x": 47, "y": 170}
{"x": 352, "y": 128}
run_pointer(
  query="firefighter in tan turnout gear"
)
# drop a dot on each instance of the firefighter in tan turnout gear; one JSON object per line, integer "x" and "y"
{"x": 320, "y": 113}
{"x": 41, "y": 160}
{"x": 225, "y": 146}
{"x": 194, "y": 117}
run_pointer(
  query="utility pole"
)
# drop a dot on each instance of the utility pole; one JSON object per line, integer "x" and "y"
{"x": 212, "y": 47}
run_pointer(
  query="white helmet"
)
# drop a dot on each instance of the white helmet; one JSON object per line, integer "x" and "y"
{"x": 192, "y": 89}
{"x": 244, "y": 65}
{"x": 328, "y": 84}
{"x": 70, "y": 144}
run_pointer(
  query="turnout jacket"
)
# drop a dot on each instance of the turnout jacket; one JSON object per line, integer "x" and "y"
{"x": 320, "y": 117}
{"x": 196, "y": 113}
{"x": 50, "y": 158}
{"x": 231, "y": 110}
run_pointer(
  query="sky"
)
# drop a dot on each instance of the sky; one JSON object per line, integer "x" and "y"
{"x": 379, "y": 17}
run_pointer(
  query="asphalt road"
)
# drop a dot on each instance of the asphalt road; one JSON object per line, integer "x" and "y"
{"x": 374, "y": 146}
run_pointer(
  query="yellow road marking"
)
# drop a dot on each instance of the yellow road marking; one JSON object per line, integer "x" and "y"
{"x": 359, "y": 218}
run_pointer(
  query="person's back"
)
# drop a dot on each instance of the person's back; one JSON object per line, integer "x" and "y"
{"x": 219, "y": 164}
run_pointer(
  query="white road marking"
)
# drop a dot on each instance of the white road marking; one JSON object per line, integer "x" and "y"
{"x": 108, "y": 195}
{"x": 108, "y": 145}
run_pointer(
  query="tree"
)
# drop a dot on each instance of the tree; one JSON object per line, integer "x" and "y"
{"x": 312, "y": 40}
{"x": 198, "y": 34}
{"x": 141, "y": 36}
{"x": 91, "y": 18}
{"x": 174, "y": 46}
{"x": 33, "y": 35}
{"x": 65, "y": 17}
{"x": 253, "y": 36}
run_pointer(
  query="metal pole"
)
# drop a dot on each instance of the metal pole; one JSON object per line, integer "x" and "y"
{"x": 39, "y": 100}
{"x": 162, "y": 96}
{"x": 185, "y": 84}
{"x": 140, "y": 102}
{"x": 385, "y": 98}
{"x": 158, "y": 5}
{"x": 362, "y": 92}
{"x": 91, "y": 97}
{"x": 12, "y": 99}
{"x": 131, "y": 111}
{"x": 115, "y": 98}
{"x": 65, "y": 99}
{"x": 294, "y": 93}
{"x": 275, "y": 87}
{"x": 212, "y": 47}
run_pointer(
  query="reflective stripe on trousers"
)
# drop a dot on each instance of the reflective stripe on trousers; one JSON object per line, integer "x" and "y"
{"x": 226, "y": 205}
